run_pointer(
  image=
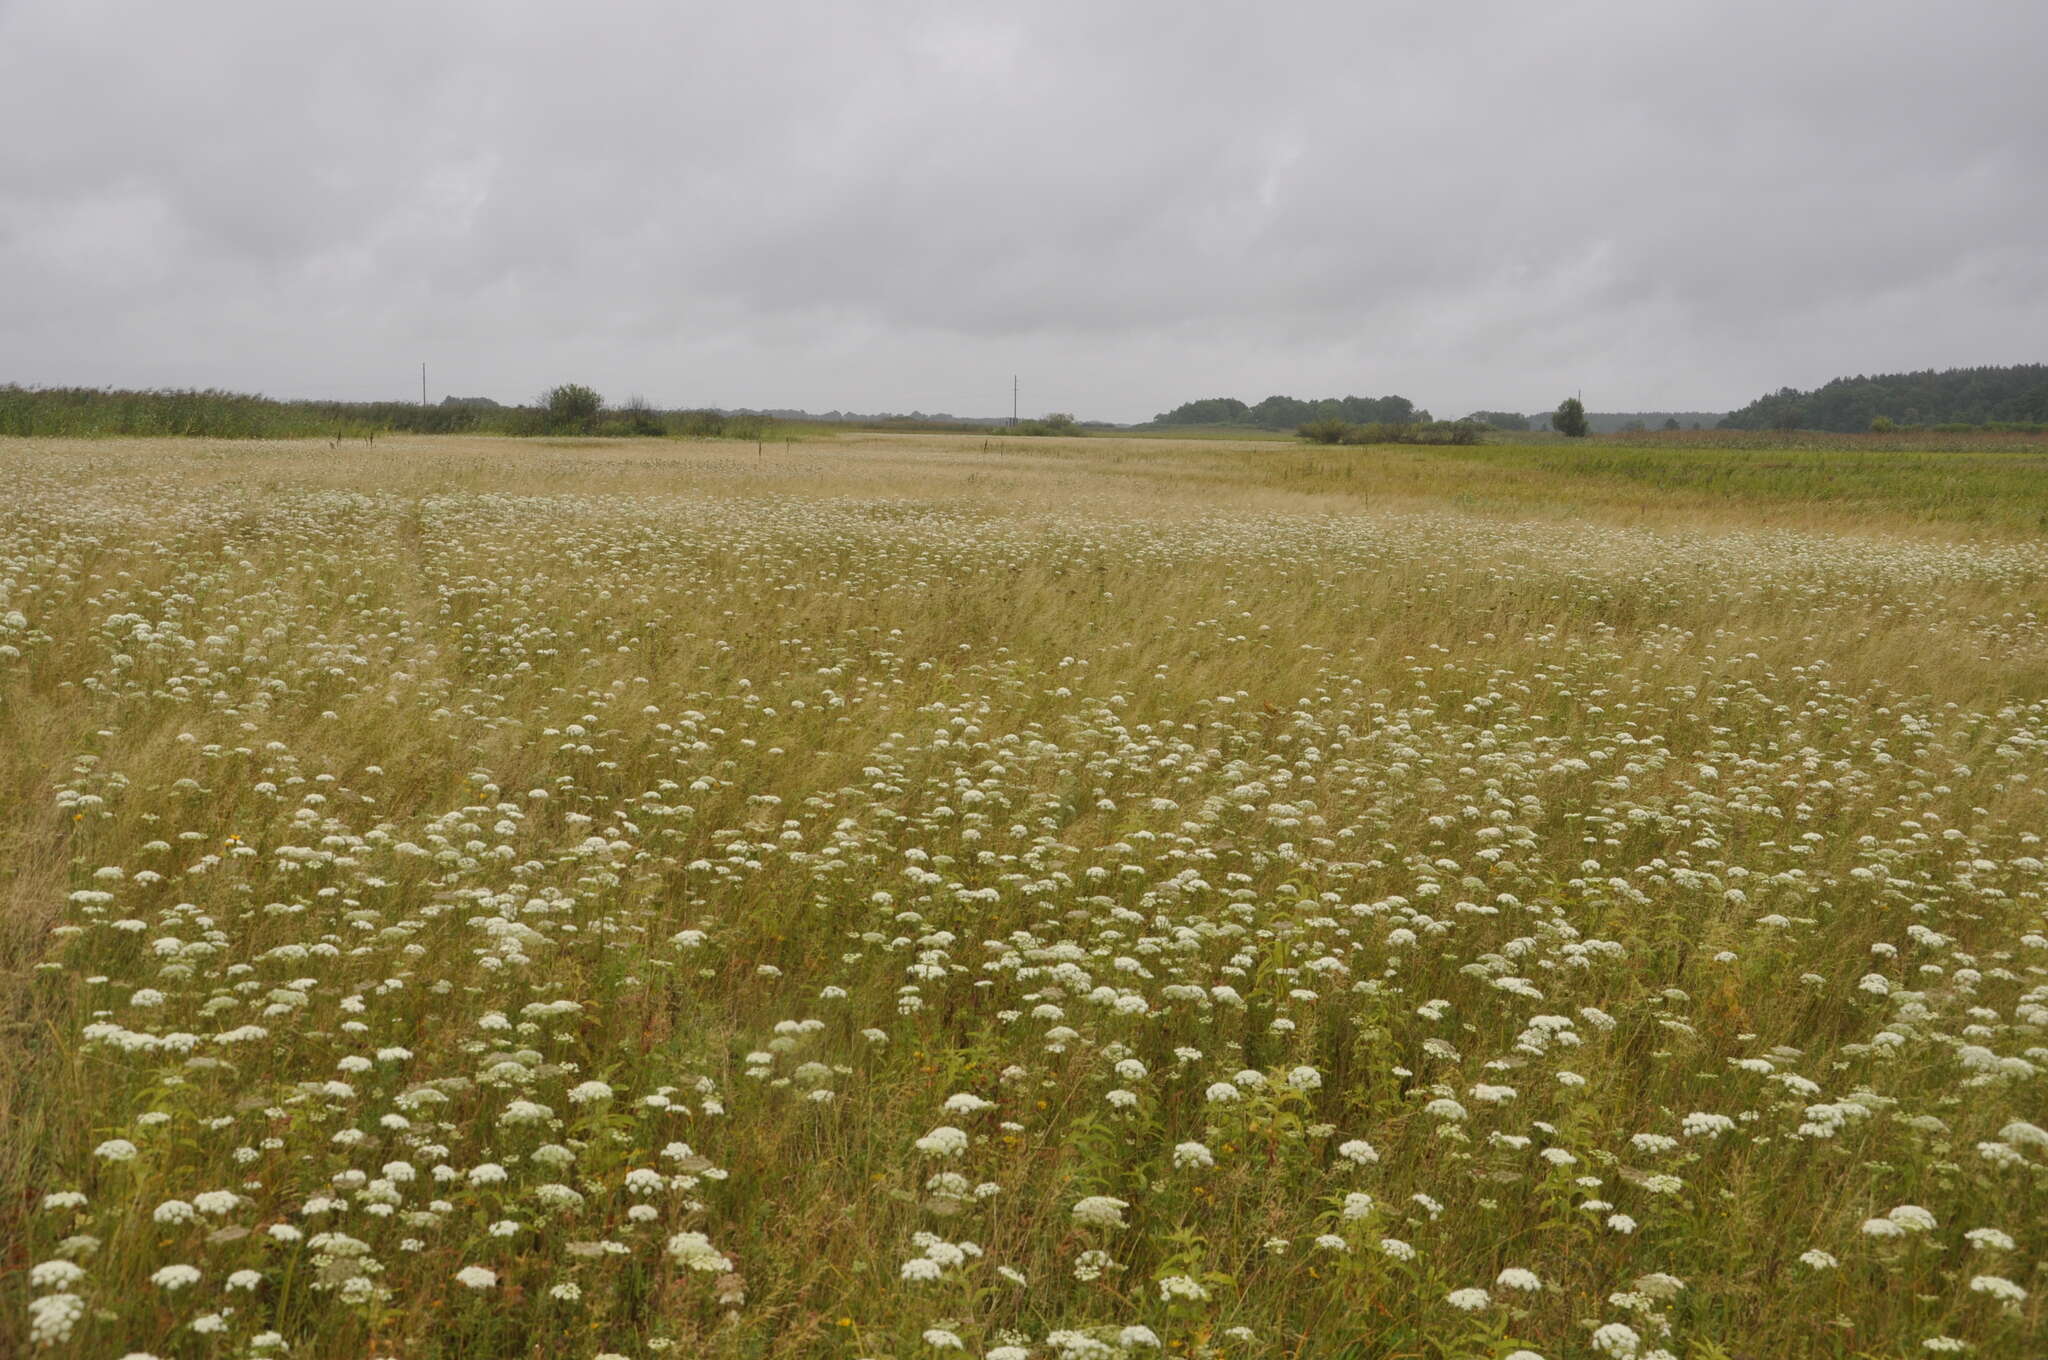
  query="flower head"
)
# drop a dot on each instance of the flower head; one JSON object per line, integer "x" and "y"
{"x": 693, "y": 1251}
{"x": 173, "y": 1278}
{"x": 1101, "y": 1211}
{"x": 943, "y": 1141}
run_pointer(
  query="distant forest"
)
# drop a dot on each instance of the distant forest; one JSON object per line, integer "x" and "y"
{"x": 1291, "y": 413}
{"x": 1604, "y": 422}
{"x": 2017, "y": 395}
{"x": 1288, "y": 413}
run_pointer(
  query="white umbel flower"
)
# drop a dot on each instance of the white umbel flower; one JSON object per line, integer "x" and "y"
{"x": 943, "y": 1141}
{"x": 1101, "y": 1211}
{"x": 693, "y": 1251}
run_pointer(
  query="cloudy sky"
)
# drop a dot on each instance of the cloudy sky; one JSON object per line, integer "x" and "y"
{"x": 871, "y": 206}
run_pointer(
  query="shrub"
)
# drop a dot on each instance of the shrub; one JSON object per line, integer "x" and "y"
{"x": 1057, "y": 423}
{"x": 636, "y": 417}
{"x": 1458, "y": 432}
{"x": 1379, "y": 432}
{"x": 571, "y": 408}
{"x": 700, "y": 424}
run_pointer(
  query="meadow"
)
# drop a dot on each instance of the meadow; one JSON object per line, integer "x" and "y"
{"x": 912, "y": 896}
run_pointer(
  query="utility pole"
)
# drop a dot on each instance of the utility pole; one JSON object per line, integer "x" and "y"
{"x": 1013, "y": 401}
{"x": 423, "y": 383}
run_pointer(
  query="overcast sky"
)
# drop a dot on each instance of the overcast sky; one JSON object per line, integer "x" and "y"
{"x": 895, "y": 206}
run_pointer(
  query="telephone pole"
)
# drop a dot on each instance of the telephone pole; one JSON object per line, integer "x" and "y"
{"x": 1013, "y": 401}
{"x": 423, "y": 383}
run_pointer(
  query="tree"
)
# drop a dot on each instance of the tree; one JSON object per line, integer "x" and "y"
{"x": 1282, "y": 413}
{"x": 1208, "y": 411}
{"x": 571, "y": 408}
{"x": 1671, "y": 422}
{"x": 1570, "y": 419}
{"x": 1974, "y": 396}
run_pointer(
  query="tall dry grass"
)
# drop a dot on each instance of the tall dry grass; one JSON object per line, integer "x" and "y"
{"x": 894, "y": 895}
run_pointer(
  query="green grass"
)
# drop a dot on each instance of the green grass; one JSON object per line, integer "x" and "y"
{"x": 1952, "y": 486}
{"x": 2000, "y": 490}
{"x": 2004, "y": 488}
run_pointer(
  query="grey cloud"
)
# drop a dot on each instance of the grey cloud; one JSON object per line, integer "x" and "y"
{"x": 896, "y": 205}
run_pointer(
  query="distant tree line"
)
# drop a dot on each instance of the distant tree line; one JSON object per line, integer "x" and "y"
{"x": 1569, "y": 419}
{"x": 2010, "y": 396}
{"x": 1601, "y": 422}
{"x": 566, "y": 409}
{"x": 1289, "y": 413}
{"x": 1396, "y": 412}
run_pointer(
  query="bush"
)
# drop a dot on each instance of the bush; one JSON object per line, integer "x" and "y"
{"x": 571, "y": 408}
{"x": 1882, "y": 425}
{"x": 1458, "y": 432}
{"x": 1466, "y": 431}
{"x": 700, "y": 424}
{"x": 1057, "y": 423}
{"x": 1379, "y": 432}
{"x": 636, "y": 417}
{"x": 709, "y": 424}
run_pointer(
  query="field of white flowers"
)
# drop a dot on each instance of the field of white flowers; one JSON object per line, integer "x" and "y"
{"x": 900, "y": 900}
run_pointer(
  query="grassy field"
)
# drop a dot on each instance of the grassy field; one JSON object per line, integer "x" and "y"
{"x": 2004, "y": 491}
{"x": 910, "y": 896}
